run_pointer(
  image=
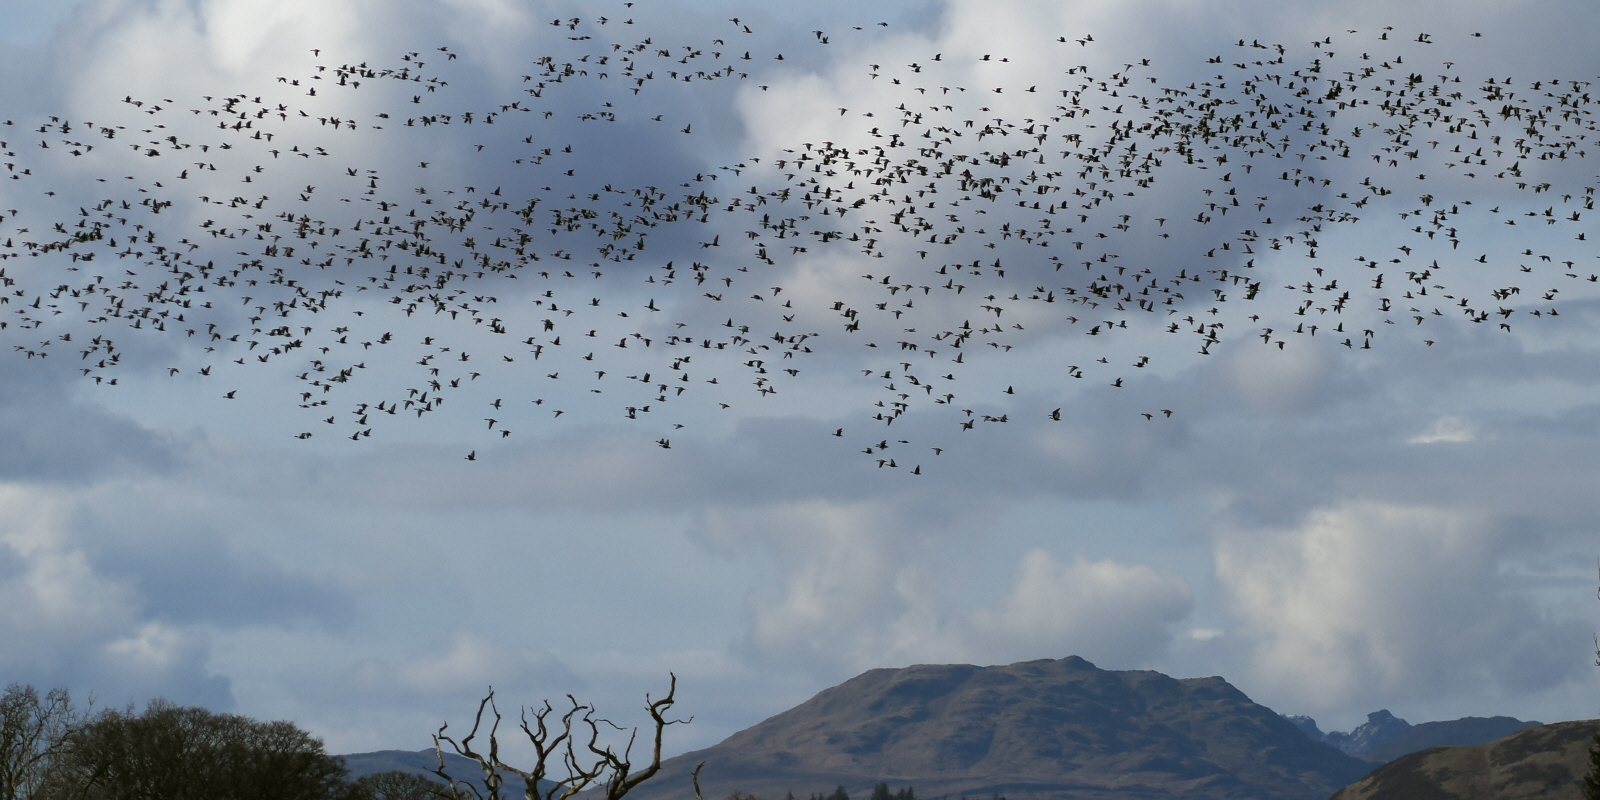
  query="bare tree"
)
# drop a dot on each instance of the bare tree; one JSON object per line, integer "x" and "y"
{"x": 33, "y": 735}
{"x": 569, "y": 743}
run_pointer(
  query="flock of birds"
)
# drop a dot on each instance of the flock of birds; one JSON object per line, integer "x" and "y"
{"x": 1097, "y": 210}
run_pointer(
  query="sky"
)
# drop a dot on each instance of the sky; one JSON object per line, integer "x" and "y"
{"x": 1334, "y": 529}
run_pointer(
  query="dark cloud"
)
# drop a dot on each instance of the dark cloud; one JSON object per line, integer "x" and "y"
{"x": 48, "y": 435}
{"x": 188, "y": 577}
{"x": 372, "y": 588}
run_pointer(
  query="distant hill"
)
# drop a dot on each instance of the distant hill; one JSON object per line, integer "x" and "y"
{"x": 1547, "y": 762}
{"x": 423, "y": 762}
{"x": 1385, "y": 737}
{"x": 1381, "y": 729}
{"x": 1452, "y": 733}
{"x": 1059, "y": 729}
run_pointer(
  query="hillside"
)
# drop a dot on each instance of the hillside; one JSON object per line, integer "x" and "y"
{"x": 423, "y": 762}
{"x": 1385, "y": 737}
{"x": 1542, "y": 763}
{"x": 1451, "y": 733}
{"x": 1061, "y": 729}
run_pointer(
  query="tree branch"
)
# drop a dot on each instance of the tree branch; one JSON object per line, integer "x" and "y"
{"x": 552, "y": 740}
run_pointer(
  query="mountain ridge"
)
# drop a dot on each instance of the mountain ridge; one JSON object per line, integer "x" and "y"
{"x": 1547, "y": 762}
{"x": 423, "y": 762}
{"x": 1062, "y": 729}
{"x": 1385, "y": 737}
{"x": 1059, "y": 729}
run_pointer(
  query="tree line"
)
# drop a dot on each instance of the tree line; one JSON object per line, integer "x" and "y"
{"x": 52, "y": 749}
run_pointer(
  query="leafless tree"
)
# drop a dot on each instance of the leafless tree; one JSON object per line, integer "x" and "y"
{"x": 569, "y": 743}
{"x": 33, "y": 735}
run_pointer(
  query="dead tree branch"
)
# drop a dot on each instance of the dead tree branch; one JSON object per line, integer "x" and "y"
{"x": 556, "y": 740}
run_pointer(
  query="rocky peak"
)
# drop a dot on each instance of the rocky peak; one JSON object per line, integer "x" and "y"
{"x": 1380, "y": 728}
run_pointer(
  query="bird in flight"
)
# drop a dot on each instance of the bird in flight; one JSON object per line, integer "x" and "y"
{"x": 1292, "y": 189}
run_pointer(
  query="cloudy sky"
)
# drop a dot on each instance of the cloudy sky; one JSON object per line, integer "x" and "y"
{"x": 1334, "y": 530}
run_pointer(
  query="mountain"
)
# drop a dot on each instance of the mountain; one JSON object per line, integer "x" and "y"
{"x": 1385, "y": 737}
{"x": 1307, "y": 726}
{"x": 1058, "y": 729}
{"x": 1457, "y": 732}
{"x": 1546, "y": 762}
{"x": 423, "y": 762}
{"x": 1381, "y": 728}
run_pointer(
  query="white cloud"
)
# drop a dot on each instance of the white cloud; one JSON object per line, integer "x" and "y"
{"x": 1293, "y": 379}
{"x": 472, "y": 662}
{"x": 850, "y": 592}
{"x": 1362, "y": 604}
{"x": 84, "y": 628}
{"x": 53, "y": 589}
{"x": 856, "y": 590}
{"x": 1111, "y": 613}
{"x": 1446, "y": 429}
